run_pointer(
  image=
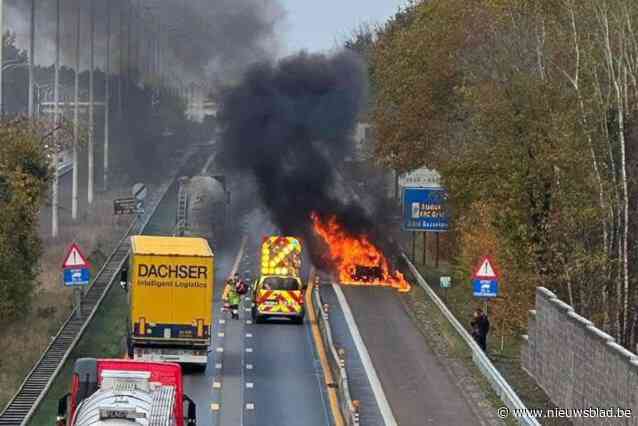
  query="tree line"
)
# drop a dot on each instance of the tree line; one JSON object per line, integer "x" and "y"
{"x": 145, "y": 132}
{"x": 528, "y": 110}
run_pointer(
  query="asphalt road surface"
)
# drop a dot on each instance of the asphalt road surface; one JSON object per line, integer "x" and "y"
{"x": 417, "y": 386}
{"x": 257, "y": 374}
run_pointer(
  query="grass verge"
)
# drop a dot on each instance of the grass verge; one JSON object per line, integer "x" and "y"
{"x": 103, "y": 337}
{"x": 503, "y": 350}
{"x": 25, "y": 339}
{"x": 98, "y": 341}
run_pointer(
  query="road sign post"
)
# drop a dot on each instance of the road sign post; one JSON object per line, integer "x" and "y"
{"x": 425, "y": 248}
{"x": 485, "y": 280}
{"x": 76, "y": 273}
{"x": 446, "y": 282}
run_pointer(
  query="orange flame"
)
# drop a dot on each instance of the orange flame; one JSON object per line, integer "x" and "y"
{"x": 352, "y": 253}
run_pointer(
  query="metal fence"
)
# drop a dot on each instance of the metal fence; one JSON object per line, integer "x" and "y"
{"x": 349, "y": 408}
{"x": 496, "y": 380}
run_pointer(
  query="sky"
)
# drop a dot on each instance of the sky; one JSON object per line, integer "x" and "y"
{"x": 319, "y": 25}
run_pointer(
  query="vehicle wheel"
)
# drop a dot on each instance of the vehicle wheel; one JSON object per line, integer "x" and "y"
{"x": 129, "y": 347}
{"x": 299, "y": 320}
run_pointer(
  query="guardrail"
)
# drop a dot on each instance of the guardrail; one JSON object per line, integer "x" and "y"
{"x": 38, "y": 381}
{"x": 496, "y": 380}
{"x": 349, "y": 409}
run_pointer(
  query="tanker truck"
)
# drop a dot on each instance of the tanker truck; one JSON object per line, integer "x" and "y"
{"x": 202, "y": 208}
{"x": 120, "y": 392}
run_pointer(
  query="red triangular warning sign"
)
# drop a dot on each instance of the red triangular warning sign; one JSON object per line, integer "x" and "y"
{"x": 74, "y": 258}
{"x": 485, "y": 270}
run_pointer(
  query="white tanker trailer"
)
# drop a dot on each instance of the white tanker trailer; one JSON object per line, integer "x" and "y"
{"x": 205, "y": 207}
{"x": 121, "y": 392}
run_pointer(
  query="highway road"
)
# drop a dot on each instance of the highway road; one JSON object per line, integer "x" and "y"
{"x": 416, "y": 384}
{"x": 257, "y": 374}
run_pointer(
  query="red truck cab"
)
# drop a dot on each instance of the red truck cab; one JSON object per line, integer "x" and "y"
{"x": 118, "y": 391}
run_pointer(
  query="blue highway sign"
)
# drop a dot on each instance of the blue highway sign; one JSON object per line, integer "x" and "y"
{"x": 485, "y": 287}
{"x": 423, "y": 210}
{"x": 77, "y": 276}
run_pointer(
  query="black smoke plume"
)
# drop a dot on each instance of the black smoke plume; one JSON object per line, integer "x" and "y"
{"x": 289, "y": 125}
{"x": 200, "y": 39}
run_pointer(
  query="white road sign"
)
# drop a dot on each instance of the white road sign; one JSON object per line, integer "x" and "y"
{"x": 420, "y": 178}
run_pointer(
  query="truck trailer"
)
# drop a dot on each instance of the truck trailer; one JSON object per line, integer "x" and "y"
{"x": 120, "y": 392}
{"x": 170, "y": 299}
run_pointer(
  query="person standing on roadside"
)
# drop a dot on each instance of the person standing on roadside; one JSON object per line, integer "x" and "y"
{"x": 480, "y": 328}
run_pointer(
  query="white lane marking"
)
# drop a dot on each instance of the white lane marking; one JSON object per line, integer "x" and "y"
{"x": 250, "y": 406}
{"x": 221, "y": 334}
{"x": 249, "y": 321}
{"x": 214, "y": 406}
{"x": 375, "y": 383}
{"x": 222, "y": 321}
{"x": 249, "y": 366}
{"x": 220, "y": 349}
{"x": 249, "y": 335}
{"x": 249, "y": 350}
{"x": 218, "y": 366}
{"x": 217, "y": 385}
{"x": 250, "y": 385}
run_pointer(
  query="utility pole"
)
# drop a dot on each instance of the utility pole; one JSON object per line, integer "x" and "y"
{"x": 31, "y": 58}
{"x": 128, "y": 49}
{"x": 56, "y": 122}
{"x": 1, "y": 54}
{"x": 121, "y": 65}
{"x": 107, "y": 94}
{"x": 76, "y": 117}
{"x": 91, "y": 106}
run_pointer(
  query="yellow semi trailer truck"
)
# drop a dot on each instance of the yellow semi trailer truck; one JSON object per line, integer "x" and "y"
{"x": 170, "y": 298}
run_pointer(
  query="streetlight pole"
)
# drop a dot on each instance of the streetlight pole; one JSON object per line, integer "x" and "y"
{"x": 121, "y": 60}
{"x": 107, "y": 93}
{"x": 1, "y": 53}
{"x": 76, "y": 118}
{"x": 31, "y": 58}
{"x": 128, "y": 50}
{"x": 56, "y": 121}
{"x": 91, "y": 100}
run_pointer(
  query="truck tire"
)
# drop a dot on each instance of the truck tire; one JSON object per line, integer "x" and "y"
{"x": 257, "y": 319}
{"x": 298, "y": 320}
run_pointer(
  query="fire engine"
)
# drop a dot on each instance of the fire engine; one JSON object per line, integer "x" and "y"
{"x": 118, "y": 392}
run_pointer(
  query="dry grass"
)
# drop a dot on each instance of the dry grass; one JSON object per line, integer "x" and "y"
{"x": 24, "y": 340}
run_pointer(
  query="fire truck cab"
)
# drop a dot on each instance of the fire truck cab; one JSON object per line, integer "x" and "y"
{"x": 118, "y": 392}
{"x": 279, "y": 291}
